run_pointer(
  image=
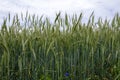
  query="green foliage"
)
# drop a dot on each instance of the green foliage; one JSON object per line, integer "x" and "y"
{"x": 35, "y": 49}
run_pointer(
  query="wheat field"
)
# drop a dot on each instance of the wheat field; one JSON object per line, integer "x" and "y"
{"x": 33, "y": 48}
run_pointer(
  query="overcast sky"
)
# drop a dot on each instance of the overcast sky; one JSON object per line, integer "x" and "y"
{"x": 101, "y": 8}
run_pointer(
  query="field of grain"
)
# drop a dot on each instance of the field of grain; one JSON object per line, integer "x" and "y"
{"x": 33, "y": 48}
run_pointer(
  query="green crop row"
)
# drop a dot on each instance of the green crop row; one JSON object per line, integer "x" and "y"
{"x": 33, "y": 48}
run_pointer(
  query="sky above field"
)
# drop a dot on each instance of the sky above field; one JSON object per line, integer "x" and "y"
{"x": 101, "y": 8}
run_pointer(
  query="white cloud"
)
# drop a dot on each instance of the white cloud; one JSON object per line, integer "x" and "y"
{"x": 101, "y": 8}
{"x": 45, "y": 6}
